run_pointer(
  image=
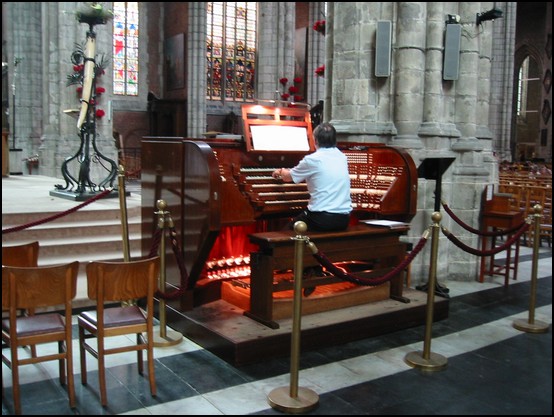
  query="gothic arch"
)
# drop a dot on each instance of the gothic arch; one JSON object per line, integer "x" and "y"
{"x": 523, "y": 50}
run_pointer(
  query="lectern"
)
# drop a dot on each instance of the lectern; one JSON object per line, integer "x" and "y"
{"x": 433, "y": 169}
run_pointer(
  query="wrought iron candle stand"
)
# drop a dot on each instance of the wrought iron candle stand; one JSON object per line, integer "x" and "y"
{"x": 83, "y": 187}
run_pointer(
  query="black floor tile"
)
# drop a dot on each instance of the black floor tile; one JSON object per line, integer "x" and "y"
{"x": 203, "y": 371}
{"x": 511, "y": 377}
{"x": 493, "y": 380}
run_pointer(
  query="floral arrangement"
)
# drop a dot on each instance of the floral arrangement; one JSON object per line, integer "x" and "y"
{"x": 320, "y": 71}
{"x": 319, "y": 26}
{"x": 292, "y": 90}
{"x": 77, "y": 76}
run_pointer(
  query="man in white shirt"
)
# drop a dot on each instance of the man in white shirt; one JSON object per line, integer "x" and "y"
{"x": 325, "y": 172}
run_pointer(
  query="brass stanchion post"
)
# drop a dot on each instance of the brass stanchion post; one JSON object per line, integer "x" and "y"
{"x": 166, "y": 337}
{"x": 532, "y": 325}
{"x": 427, "y": 360}
{"x": 124, "y": 222}
{"x": 295, "y": 399}
{"x": 123, "y": 209}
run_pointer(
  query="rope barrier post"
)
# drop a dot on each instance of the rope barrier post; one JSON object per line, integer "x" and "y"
{"x": 427, "y": 360}
{"x": 294, "y": 399}
{"x": 124, "y": 222}
{"x": 532, "y": 325}
{"x": 123, "y": 209}
{"x": 166, "y": 337}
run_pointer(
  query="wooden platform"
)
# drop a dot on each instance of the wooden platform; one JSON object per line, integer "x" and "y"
{"x": 223, "y": 329}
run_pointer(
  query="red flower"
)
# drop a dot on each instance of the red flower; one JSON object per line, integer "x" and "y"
{"x": 291, "y": 92}
{"x": 79, "y": 89}
{"x": 100, "y": 113}
{"x": 100, "y": 90}
{"x": 320, "y": 71}
{"x": 319, "y": 26}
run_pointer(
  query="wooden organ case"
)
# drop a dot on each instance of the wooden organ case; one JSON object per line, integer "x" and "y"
{"x": 229, "y": 213}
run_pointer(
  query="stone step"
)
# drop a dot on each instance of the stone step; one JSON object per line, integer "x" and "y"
{"x": 81, "y": 299}
{"x": 65, "y": 234}
{"x": 77, "y": 248}
{"x": 54, "y": 232}
{"x": 51, "y": 218}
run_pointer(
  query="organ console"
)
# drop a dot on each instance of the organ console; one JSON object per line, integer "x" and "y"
{"x": 230, "y": 213}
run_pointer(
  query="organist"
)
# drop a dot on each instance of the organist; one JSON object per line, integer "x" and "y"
{"x": 326, "y": 174}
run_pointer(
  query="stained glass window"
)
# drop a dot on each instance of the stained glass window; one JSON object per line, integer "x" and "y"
{"x": 125, "y": 48}
{"x": 231, "y": 51}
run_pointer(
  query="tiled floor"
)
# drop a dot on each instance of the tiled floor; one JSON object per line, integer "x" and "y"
{"x": 492, "y": 368}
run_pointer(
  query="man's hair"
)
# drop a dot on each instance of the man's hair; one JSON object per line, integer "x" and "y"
{"x": 325, "y": 135}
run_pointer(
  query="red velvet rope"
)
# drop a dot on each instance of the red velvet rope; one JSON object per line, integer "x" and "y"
{"x": 490, "y": 252}
{"x": 480, "y": 232}
{"x": 156, "y": 238}
{"x": 178, "y": 292}
{"x": 342, "y": 274}
{"x": 58, "y": 215}
{"x": 180, "y": 262}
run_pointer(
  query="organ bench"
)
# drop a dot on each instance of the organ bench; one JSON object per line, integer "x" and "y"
{"x": 376, "y": 250}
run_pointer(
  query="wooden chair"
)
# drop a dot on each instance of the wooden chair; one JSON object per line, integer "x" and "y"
{"x": 535, "y": 195}
{"x": 545, "y": 227}
{"x": 545, "y": 222}
{"x": 516, "y": 194}
{"x": 119, "y": 282}
{"x": 39, "y": 287}
{"x": 22, "y": 254}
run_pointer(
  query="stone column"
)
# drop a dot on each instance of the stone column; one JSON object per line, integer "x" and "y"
{"x": 329, "y": 59}
{"x": 316, "y": 55}
{"x": 358, "y": 104}
{"x": 276, "y": 32}
{"x": 23, "y": 45}
{"x": 467, "y": 84}
{"x": 196, "y": 81}
{"x": 50, "y": 158}
{"x": 502, "y": 74}
{"x": 438, "y": 102}
{"x": 482, "y": 130}
{"x": 409, "y": 76}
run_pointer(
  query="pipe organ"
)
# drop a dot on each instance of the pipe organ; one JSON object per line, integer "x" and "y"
{"x": 227, "y": 208}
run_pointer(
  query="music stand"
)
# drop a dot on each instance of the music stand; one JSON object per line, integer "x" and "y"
{"x": 432, "y": 169}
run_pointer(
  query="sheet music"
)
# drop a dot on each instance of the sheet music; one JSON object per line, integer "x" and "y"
{"x": 385, "y": 223}
{"x": 279, "y": 138}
